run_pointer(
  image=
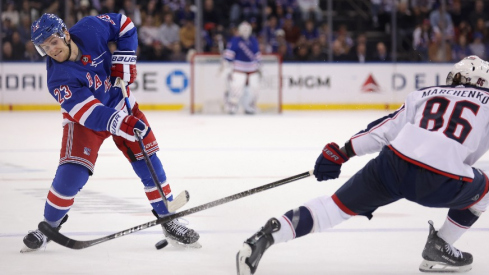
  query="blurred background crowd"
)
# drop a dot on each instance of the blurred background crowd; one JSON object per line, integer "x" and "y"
{"x": 297, "y": 30}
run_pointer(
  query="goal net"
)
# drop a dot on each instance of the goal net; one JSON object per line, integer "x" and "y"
{"x": 209, "y": 85}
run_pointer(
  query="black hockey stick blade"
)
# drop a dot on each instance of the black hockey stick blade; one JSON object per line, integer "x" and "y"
{"x": 54, "y": 235}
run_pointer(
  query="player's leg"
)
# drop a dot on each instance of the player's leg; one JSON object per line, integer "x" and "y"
{"x": 177, "y": 233}
{"x": 77, "y": 159}
{"x": 236, "y": 88}
{"x": 252, "y": 93}
{"x": 360, "y": 195}
{"x": 439, "y": 254}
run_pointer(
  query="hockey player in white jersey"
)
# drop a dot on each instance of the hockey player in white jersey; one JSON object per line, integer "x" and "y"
{"x": 427, "y": 149}
{"x": 241, "y": 62}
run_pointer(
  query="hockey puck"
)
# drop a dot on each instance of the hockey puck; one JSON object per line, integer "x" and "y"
{"x": 161, "y": 244}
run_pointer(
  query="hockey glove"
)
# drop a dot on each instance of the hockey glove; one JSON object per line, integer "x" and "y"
{"x": 328, "y": 164}
{"x": 124, "y": 66}
{"x": 124, "y": 125}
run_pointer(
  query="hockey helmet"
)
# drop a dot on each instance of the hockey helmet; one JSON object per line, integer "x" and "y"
{"x": 47, "y": 25}
{"x": 471, "y": 70}
{"x": 244, "y": 30}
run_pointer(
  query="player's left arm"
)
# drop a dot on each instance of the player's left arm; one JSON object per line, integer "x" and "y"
{"x": 123, "y": 32}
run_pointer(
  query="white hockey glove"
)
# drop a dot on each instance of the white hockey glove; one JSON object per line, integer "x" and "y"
{"x": 124, "y": 125}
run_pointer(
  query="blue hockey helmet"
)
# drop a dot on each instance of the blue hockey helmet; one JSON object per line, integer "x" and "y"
{"x": 47, "y": 25}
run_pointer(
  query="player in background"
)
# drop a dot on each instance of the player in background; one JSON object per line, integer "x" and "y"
{"x": 81, "y": 72}
{"x": 241, "y": 65}
{"x": 427, "y": 149}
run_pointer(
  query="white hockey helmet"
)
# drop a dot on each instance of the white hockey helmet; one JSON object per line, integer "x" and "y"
{"x": 471, "y": 70}
{"x": 244, "y": 29}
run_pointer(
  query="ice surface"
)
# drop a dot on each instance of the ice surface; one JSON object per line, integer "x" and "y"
{"x": 212, "y": 157}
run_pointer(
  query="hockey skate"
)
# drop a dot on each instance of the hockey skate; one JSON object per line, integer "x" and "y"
{"x": 249, "y": 256}
{"x": 35, "y": 239}
{"x": 179, "y": 235}
{"x": 440, "y": 256}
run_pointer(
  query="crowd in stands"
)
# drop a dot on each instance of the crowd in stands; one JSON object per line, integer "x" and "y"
{"x": 297, "y": 30}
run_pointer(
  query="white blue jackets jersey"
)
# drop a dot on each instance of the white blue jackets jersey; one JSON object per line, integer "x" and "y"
{"x": 84, "y": 88}
{"x": 244, "y": 54}
{"x": 444, "y": 129}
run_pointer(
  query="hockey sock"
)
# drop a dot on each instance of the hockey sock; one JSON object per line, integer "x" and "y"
{"x": 326, "y": 214}
{"x": 150, "y": 189}
{"x": 69, "y": 179}
{"x": 457, "y": 223}
{"x": 294, "y": 224}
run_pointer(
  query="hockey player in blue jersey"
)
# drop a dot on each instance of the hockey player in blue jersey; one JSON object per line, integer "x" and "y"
{"x": 427, "y": 149}
{"x": 80, "y": 75}
{"x": 241, "y": 64}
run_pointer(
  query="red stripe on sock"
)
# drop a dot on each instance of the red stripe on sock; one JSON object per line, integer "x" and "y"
{"x": 60, "y": 201}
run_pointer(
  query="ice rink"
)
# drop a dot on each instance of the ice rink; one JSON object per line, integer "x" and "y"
{"x": 211, "y": 157}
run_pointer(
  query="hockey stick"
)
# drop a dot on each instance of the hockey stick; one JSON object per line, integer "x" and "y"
{"x": 179, "y": 200}
{"x": 61, "y": 239}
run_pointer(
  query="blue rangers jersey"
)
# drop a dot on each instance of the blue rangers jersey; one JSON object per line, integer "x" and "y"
{"x": 244, "y": 54}
{"x": 84, "y": 88}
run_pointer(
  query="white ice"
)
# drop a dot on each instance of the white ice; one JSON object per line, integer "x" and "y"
{"x": 211, "y": 157}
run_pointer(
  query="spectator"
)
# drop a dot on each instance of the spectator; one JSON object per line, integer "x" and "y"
{"x": 359, "y": 54}
{"x": 477, "y": 47}
{"x": 185, "y": 14}
{"x": 177, "y": 53}
{"x": 132, "y": 11}
{"x": 310, "y": 9}
{"x": 187, "y": 35}
{"x": 317, "y": 53}
{"x": 381, "y": 54}
{"x": 158, "y": 52}
{"x": 269, "y": 33}
{"x": 169, "y": 31}
{"x": 344, "y": 37}
{"x": 18, "y": 47}
{"x": 455, "y": 10}
{"x": 422, "y": 38}
{"x": 108, "y": 6}
{"x": 302, "y": 53}
{"x": 480, "y": 27}
{"x": 310, "y": 32}
{"x": 148, "y": 34}
{"x": 477, "y": 13}
{"x": 24, "y": 28}
{"x": 339, "y": 53}
{"x": 461, "y": 49}
{"x": 439, "y": 51}
{"x": 440, "y": 18}
{"x": 210, "y": 15}
{"x": 11, "y": 13}
{"x": 7, "y": 30}
{"x": 292, "y": 32}
{"x": 31, "y": 53}
{"x": 174, "y": 5}
{"x": 7, "y": 51}
{"x": 285, "y": 52}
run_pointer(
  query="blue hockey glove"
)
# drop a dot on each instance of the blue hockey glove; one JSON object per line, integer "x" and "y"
{"x": 328, "y": 164}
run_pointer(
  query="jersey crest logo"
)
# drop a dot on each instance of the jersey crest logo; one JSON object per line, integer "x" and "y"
{"x": 85, "y": 59}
